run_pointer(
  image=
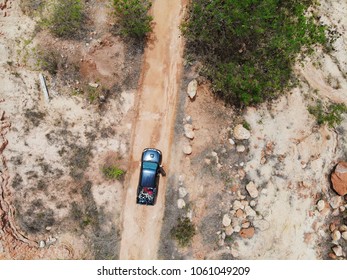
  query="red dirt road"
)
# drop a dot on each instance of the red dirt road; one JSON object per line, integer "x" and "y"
{"x": 153, "y": 127}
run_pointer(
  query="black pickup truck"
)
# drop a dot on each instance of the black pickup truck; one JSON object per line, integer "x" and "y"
{"x": 147, "y": 189}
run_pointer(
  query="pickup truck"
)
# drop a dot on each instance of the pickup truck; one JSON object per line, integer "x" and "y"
{"x": 147, "y": 189}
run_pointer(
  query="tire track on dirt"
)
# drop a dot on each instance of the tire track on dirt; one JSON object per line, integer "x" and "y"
{"x": 156, "y": 107}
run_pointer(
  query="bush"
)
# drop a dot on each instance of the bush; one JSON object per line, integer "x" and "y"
{"x": 183, "y": 232}
{"x": 113, "y": 172}
{"x": 332, "y": 115}
{"x": 133, "y": 17}
{"x": 248, "y": 48}
{"x": 66, "y": 19}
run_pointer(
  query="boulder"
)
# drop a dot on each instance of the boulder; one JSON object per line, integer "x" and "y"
{"x": 192, "y": 88}
{"x": 181, "y": 203}
{"x": 250, "y": 211}
{"x": 188, "y": 131}
{"x": 344, "y": 235}
{"x": 252, "y": 189}
{"x": 261, "y": 224}
{"x": 42, "y": 244}
{"x": 241, "y": 133}
{"x": 229, "y": 230}
{"x": 336, "y": 235}
{"x": 187, "y": 149}
{"x": 339, "y": 178}
{"x": 231, "y": 141}
{"x": 237, "y": 205}
{"x": 182, "y": 192}
{"x": 320, "y": 205}
{"x": 240, "y": 148}
{"x": 338, "y": 250}
{"x": 335, "y": 202}
{"x": 247, "y": 232}
{"x": 226, "y": 220}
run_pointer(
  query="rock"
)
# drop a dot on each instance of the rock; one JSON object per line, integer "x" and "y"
{"x": 336, "y": 235}
{"x": 181, "y": 203}
{"x": 237, "y": 228}
{"x": 192, "y": 88}
{"x": 237, "y": 205}
{"x": 252, "y": 189}
{"x": 320, "y": 205}
{"x": 338, "y": 250}
{"x": 229, "y": 230}
{"x": 187, "y": 149}
{"x": 247, "y": 232}
{"x": 250, "y": 212}
{"x": 223, "y": 235}
{"x": 234, "y": 252}
{"x": 48, "y": 228}
{"x": 240, "y": 148}
{"x": 231, "y": 141}
{"x": 190, "y": 214}
{"x": 220, "y": 242}
{"x": 219, "y": 166}
{"x": 239, "y": 213}
{"x": 188, "y": 131}
{"x": 93, "y": 85}
{"x": 182, "y": 192}
{"x": 344, "y": 235}
{"x": 339, "y": 178}
{"x": 262, "y": 225}
{"x": 343, "y": 228}
{"x": 214, "y": 154}
{"x": 245, "y": 224}
{"x": 181, "y": 180}
{"x": 253, "y": 203}
{"x": 207, "y": 161}
{"x": 42, "y": 244}
{"x": 189, "y": 119}
{"x": 335, "y": 202}
{"x": 226, "y": 220}
{"x": 241, "y": 133}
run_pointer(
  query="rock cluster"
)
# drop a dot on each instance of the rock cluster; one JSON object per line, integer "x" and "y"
{"x": 338, "y": 237}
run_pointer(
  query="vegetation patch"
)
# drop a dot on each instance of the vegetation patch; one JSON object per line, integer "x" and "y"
{"x": 248, "y": 48}
{"x": 66, "y": 18}
{"x": 183, "y": 232}
{"x": 133, "y": 18}
{"x": 113, "y": 172}
{"x": 331, "y": 115}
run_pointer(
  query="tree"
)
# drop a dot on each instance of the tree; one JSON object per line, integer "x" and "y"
{"x": 133, "y": 18}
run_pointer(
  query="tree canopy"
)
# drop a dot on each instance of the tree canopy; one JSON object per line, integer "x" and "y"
{"x": 248, "y": 47}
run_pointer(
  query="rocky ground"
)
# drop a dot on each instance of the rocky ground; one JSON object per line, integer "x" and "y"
{"x": 257, "y": 185}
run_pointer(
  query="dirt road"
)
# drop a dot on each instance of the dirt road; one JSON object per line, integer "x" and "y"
{"x": 153, "y": 127}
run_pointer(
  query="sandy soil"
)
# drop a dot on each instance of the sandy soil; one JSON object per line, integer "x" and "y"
{"x": 55, "y": 195}
{"x": 157, "y": 96}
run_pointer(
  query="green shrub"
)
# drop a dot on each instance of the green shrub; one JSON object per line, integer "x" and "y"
{"x": 183, "y": 232}
{"x": 248, "y": 47}
{"x": 113, "y": 172}
{"x": 66, "y": 18}
{"x": 332, "y": 115}
{"x": 133, "y": 18}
